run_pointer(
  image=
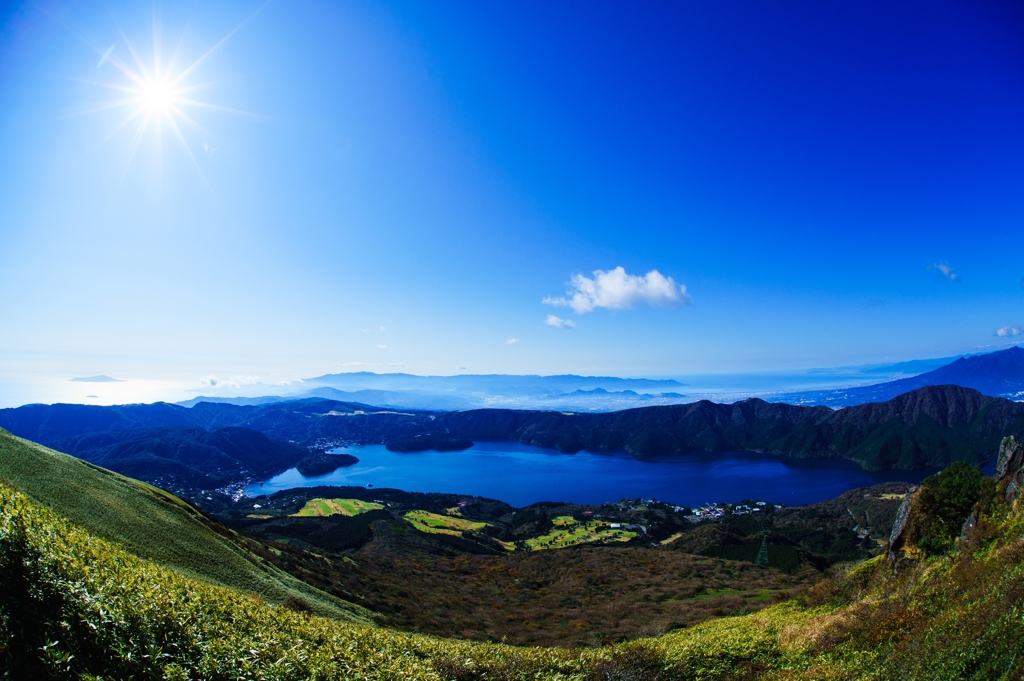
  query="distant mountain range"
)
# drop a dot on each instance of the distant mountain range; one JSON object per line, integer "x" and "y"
{"x": 504, "y": 384}
{"x": 931, "y": 426}
{"x": 999, "y": 374}
{"x": 473, "y": 391}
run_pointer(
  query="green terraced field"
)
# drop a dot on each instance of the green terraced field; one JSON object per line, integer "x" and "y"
{"x": 442, "y": 524}
{"x": 435, "y": 523}
{"x": 327, "y": 507}
{"x": 570, "y": 532}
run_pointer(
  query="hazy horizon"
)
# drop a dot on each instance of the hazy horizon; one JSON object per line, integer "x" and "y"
{"x": 109, "y": 390}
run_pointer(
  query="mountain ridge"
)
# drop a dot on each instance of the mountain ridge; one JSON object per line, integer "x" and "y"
{"x": 928, "y": 427}
{"x": 191, "y": 455}
{"x": 998, "y": 374}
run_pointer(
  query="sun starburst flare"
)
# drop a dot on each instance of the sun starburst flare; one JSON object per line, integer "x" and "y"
{"x": 156, "y": 95}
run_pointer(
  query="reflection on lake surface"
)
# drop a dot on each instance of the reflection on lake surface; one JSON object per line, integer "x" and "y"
{"x": 522, "y": 475}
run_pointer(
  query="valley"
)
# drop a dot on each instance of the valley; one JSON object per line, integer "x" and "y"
{"x": 439, "y": 563}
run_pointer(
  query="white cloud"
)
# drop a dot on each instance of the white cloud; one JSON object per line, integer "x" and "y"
{"x": 382, "y": 347}
{"x": 946, "y": 271}
{"x": 461, "y": 368}
{"x": 1007, "y": 331}
{"x": 512, "y": 341}
{"x": 382, "y": 329}
{"x": 233, "y": 382}
{"x": 355, "y": 364}
{"x": 558, "y": 322}
{"x": 366, "y": 330}
{"x": 616, "y": 290}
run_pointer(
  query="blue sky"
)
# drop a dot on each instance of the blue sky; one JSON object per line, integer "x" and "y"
{"x": 400, "y": 186}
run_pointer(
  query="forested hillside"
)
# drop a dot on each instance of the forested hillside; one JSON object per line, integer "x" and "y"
{"x": 928, "y": 427}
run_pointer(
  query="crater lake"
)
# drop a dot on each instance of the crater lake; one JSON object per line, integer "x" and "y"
{"x": 522, "y": 475}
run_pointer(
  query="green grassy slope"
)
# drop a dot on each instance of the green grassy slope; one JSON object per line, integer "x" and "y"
{"x": 153, "y": 525}
{"x": 74, "y": 605}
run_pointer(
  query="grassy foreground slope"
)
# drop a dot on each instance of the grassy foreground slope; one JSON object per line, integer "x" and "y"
{"x": 153, "y": 525}
{"x": 73, "y": 605}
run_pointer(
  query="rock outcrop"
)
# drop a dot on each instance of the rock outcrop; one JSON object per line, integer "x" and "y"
{"x": 968, "y": 533}
{"x": 1010, "y": 467}
{"x": 903, "y": 540}
{"x": 913, "y": 533}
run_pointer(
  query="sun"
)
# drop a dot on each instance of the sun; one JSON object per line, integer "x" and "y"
{"x": 155, "y": 93}
{"x": 159, "y": 97}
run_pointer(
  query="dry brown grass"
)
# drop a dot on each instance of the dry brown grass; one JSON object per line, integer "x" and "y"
{"x": 570, "y": 597}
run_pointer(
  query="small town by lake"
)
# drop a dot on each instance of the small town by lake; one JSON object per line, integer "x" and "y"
{"x": 522, "y": 475}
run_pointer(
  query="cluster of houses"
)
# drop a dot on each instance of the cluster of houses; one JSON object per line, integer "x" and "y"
{"x": 706, "y": 512}
{"x": 714, "y": 511}
{"x": 236, "y": 490}
{"x": 326, "y": 444}
{"x": 743, "y": 509}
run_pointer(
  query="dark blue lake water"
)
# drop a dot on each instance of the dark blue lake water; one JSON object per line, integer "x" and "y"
{"x": 522, "y": 475}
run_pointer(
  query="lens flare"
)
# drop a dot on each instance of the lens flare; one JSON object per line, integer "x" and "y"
{"x": 156, "y": 93}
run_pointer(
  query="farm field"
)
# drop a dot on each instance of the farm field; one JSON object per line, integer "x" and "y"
{"x": 442, "y": 524}
{"x": 570, "y": 532}
{"x": 435, "y": 523}
{"x": 677, "y": 535}
{"x": 322, "y": 508}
